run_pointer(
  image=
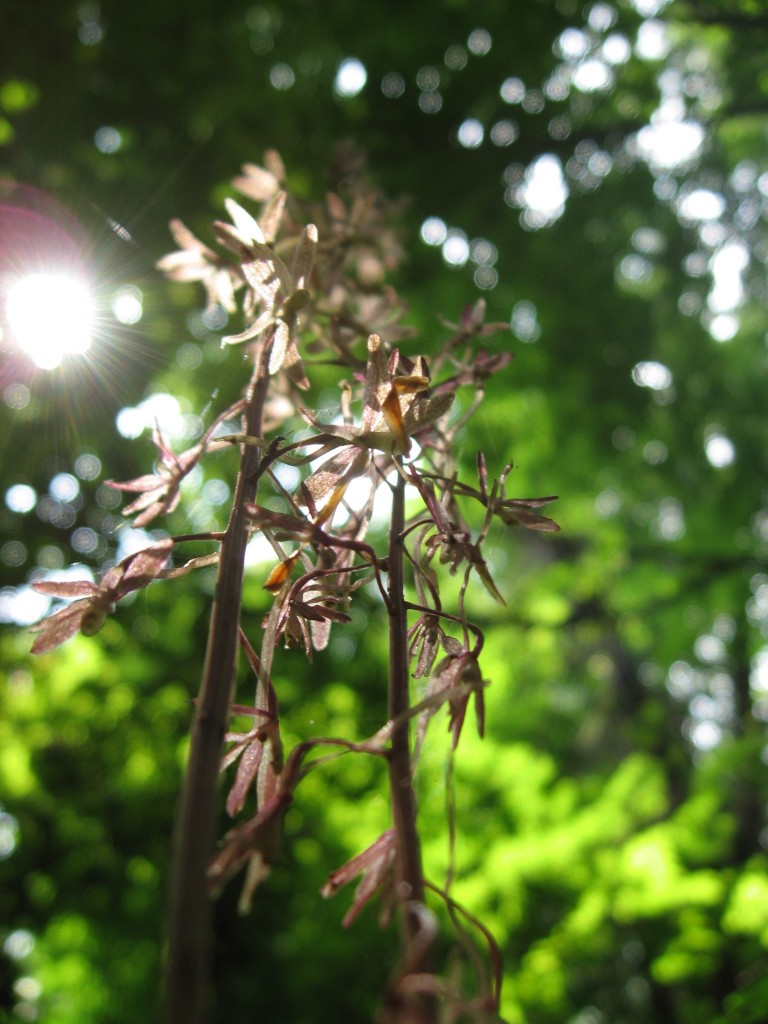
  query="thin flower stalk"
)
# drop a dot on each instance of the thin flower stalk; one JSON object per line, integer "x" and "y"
{"x": 310, "y": 286}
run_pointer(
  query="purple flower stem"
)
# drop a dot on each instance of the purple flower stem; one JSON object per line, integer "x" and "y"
{"x": 187, "y": 977}
{"x": 403, "y": 796}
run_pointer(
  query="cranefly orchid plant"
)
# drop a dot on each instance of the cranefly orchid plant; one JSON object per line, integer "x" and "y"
{"x": 316, "y": 292}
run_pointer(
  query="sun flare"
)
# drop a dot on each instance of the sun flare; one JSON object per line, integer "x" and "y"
{"x": 50, "y": 316}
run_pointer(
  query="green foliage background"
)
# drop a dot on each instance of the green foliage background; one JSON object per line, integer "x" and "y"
{"x": 612, "y": 824}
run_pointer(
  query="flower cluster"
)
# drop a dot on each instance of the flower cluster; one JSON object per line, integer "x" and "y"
{"x": 311, "y": 290}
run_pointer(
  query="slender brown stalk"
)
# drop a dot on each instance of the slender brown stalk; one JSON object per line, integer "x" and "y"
{"x": 187, "y": 966}
{"x": 411, "y": 878}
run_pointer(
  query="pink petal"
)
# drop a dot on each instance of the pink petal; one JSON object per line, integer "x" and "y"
{"x": 148, "y": 482}
{"x": 143, "y": 567}
{"x": 152, "y": 512}
{"x": 59, "y": 627}
{"x": 149, "y": 497}
{"x": 73, "y": 588}
{"x": 304, "y": 256}
{"x": 247, "y": 770}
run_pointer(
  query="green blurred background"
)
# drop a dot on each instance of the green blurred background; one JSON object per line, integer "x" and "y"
{"x": 597, "y": 173}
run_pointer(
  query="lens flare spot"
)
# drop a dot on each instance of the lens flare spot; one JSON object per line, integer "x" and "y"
{"x": 50, "y": 316}
{"x": 127, "y": 305}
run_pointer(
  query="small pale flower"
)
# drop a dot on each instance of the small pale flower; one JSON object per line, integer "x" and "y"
{"x": 261, "y": 183}
{"x": 194, "y": 261}
{"x": 282, "y": 294}
{"x": 395, "y": 409}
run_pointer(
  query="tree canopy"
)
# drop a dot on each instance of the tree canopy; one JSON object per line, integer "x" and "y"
{"x": 598, "y": 175}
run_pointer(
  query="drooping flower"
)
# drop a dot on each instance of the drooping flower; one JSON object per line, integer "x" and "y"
{"x": 455, "y": 679}
{"x": 96, "y": 600}
{"x": 159, "y": 492}
{"x": 377, "y": 867}
{"x": 512, "y": 511}
{"x": 261, "y": 183}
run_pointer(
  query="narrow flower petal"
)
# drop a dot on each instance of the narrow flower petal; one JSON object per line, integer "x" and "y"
{"x": 267, "y": 274}
{"x": 280, "y": 574}
{"x": 248, "y": 228}
{"x": 304, "y": 256}
{"x": 253, "y": 331}
{"x": 65, "y": 588}
{"x": 256, "y": 183}
{"x": 144, "y": 566}
{"x": 271, "y": 217}
{"x": 59, "y": 627}
{"x": 393, "y": 416}
{"x": 279, "y": 346}
{"x": 247, "y": 770}
{"x": 148, "y": 482}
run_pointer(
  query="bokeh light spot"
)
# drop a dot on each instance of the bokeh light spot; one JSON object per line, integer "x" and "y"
{"x": 16, "y": 396}
{"x": 430, "y": 102}
{"x": 282, "y": 77}
{"x": 572, "y": 44}
{"x": 13, "y": 553}
{"x": 393, "y": 85}
{"x": 84, "y": 540}
{"x": 215, "y": 491}
{"x": 471, "y": 133}
{"x": 433, "y": 231}
{"x": 455, "y": 58}
{"x": 701, "y": 204}
{"x": 108, "y": 139}
{"x": 350, "y": 77}
{"x": 669, "y": 145}
{"x": 719, "y": 449}
{"x": 533, "y": 101}
{"x": 601, "y": 17}
{"x": 64, "y": 487}
{"x": 483, "y": 252}
{"x": 652, "y": 40}
{"x": 653, "y": 375}
{"x": 479, "y": 42}
{"x": 616, "y": 49}
{"x": 593, "y": 76}
{"x": 17, "y": 95}
{"x": 504, "y": 133}
{"x": 9, "y": 834}
{"x": 486, "y": 278}
{"x": 428, "y": 79}
{"x": 512, "y": 90}
{"x": 127, "y": 305}
{"x": 524, "y": 321}
{"x": 21, "y": 498}
{"x": 655, "y": 452}
{"x": 19, "y": 944}
{"x": 542, "y": 193}
{"x": 724, "y": 327}
{"x": 456, "y": 248}
{"x": 189, "y": 355}
{"x": 87, "y": 466}
{"x": 669, "y": 523}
